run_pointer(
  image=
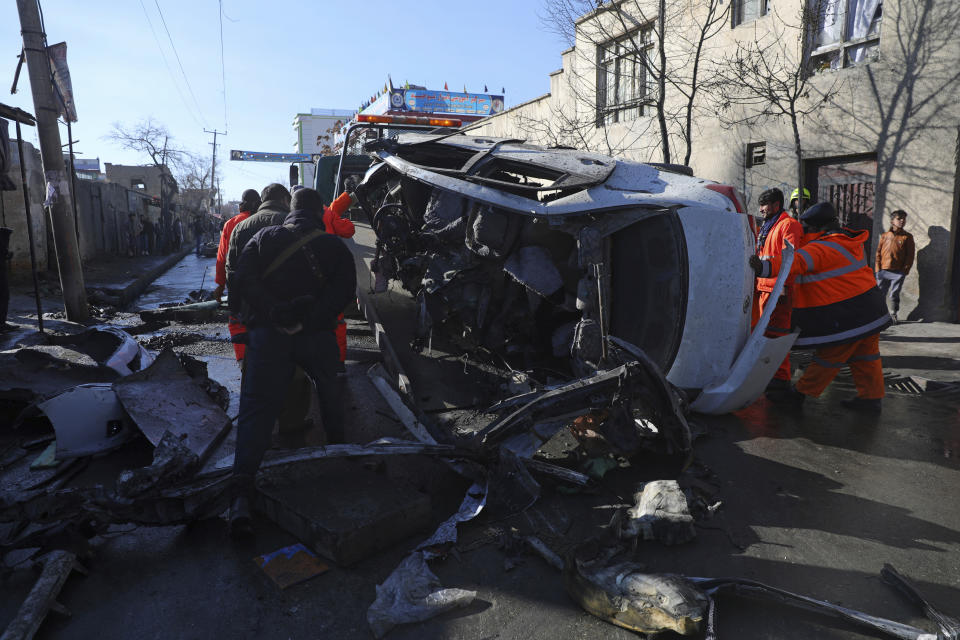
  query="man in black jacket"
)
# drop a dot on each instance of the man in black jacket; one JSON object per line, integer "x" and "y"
{"x": 294, "y": 279}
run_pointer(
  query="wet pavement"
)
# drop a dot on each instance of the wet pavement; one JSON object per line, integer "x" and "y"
{"x": 814, "y": 501}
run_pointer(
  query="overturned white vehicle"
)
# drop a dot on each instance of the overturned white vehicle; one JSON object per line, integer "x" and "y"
{"x": 558, "y": 259}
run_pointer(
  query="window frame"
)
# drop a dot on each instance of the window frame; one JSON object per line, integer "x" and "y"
{"x": 751, "y": 148}
{"x": 617, "y": 53}
{"x": 736, "y": 12}
{"x": 844, "y": 44}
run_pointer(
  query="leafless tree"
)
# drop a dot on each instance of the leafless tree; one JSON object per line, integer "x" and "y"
{"x": 150, "y": 138}
{"x": 769, "y": 78}
{"x": 658, "y": 47}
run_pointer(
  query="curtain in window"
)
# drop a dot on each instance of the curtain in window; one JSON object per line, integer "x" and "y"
{"x": 859, "y": 20}
{"x": 829, "y": 21}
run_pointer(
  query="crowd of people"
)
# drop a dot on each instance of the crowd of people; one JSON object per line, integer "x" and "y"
{"x": 288, "y": 278}
{"x": 832, "y": 297}
{"x": 146, "y": 237}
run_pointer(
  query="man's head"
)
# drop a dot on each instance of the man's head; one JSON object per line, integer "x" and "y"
{"x": 277, "y": 193}
{"x": 898, "y": 218}
{"x": 307, "y": 199}
{"x": 820, "y": 216}
{"x": 799, "y": 199}
{"x": 249, "y": 200}
{"x": 771, "y": 202}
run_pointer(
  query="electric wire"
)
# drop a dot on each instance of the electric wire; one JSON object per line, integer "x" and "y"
{"x": 223, "y": 70}
{"x": 179, "y": 62}
{"x": 173, "y": 77}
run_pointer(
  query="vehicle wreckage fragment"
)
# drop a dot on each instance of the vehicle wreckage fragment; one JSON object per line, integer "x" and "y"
{"x": 616, "y": 390}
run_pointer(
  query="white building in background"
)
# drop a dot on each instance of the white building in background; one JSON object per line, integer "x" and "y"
{"x": 315, "y": 133}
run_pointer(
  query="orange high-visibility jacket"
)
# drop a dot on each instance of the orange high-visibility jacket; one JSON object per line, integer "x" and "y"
{"x": 835, "y": 295}
{"x": 784, "y": 229}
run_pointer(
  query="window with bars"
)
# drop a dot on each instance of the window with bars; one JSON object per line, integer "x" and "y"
{"x": 624, "y": 86}
{"x": 744, "y": 11}
{"x": 756, "y": 153}
{"x": 847, "y": 32}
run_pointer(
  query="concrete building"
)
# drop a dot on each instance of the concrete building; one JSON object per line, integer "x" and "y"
{"x": 145, "y": 178}
{"x": 315, "y": 133}
{"x": 879, "y": 124}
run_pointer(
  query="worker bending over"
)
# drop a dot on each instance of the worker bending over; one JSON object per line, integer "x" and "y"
{"x": 837, "y": 307}
{"x": 294, "y": 280}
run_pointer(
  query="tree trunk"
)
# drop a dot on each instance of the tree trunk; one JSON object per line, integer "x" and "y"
{"x": 798, "y": 150}
{"x": 662, "y": 81}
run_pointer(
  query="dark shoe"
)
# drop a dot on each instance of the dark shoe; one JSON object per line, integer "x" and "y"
{"x": 788, "y": 397}
{"x": 866, "y": 405}
{"x": 341, "y": 369}
{"x": 241, "y": 523}
{"x": 776, "y": 388}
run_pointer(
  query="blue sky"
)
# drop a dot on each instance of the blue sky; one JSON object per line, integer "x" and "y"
{"x": 281, "y": 57}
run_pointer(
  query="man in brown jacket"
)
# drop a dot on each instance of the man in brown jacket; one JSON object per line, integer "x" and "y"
{"x": 894, "y": 259}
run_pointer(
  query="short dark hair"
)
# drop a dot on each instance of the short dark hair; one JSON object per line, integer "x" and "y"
{"x": 307, "y": 199}
{"x": 899, "y": 213}
{"x": 274, "y": 191}
{"x": 250, "y": 200}
{"x": 770, "y": 196}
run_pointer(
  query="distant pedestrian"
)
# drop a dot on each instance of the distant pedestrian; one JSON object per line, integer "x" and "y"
{"x": 895, "y": 253}
{"x": 133, "y": 235}
{"x": 177, "y": 234}
{"x": 249, "y": 202}
{"x": 198, "y": 232}
{"x": 294, "y": 279}
{"x": 836, "y": 306}
{"x": 150, "y": 237}
{"x": 144, "y": 243}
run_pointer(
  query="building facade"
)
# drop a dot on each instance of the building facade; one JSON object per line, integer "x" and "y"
{"x": 315, "y": 135}
{"x": 875, "y": 93}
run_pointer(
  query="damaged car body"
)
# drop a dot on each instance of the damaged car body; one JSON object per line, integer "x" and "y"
{"x": 564, "y": 262}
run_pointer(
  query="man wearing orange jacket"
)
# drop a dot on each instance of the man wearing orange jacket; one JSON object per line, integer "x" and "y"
{"x": 249, "y": 202}
{"x": 335, "y": 223}
{"x": 837, "y": 307}
{"x": 777, "y": 228}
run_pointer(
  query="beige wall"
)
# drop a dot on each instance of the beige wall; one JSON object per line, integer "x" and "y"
{"x": 895, "y": 108}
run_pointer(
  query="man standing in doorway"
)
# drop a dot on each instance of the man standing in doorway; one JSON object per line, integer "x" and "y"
{"x": 777, "y": 228}
{"x": 895, "y": 253}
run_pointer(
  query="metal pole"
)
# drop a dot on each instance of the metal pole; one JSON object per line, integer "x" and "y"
{"x": 51, "y": 153}
{"x": 26, "y": 206}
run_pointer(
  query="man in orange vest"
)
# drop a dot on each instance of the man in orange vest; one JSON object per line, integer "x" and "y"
{"x": 837, "y": 307}
{"x": 335, "y": 223}
{"x": 777, "y": 227}
{"x": 249, "y": 202}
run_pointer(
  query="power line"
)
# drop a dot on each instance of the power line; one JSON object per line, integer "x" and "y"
{"x": 173, "y": 77}
{"x": 179, "y": 62}
{"x": 223, "y": 69}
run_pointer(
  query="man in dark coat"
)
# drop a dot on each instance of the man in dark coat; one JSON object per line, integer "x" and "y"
{"x": 294, "y": 280}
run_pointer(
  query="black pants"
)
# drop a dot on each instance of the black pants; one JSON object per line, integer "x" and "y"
{"x": 270, "y": 360}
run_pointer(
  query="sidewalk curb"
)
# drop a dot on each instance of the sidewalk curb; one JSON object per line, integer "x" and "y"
{"x": 129, "y": 293}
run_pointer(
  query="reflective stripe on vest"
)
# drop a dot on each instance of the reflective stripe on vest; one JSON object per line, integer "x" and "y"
{"x": 833, "y": 273}
{"x": 841, "y": 336}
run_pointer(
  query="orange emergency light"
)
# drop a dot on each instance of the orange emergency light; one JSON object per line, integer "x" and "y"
{"x": 430, "y": 122}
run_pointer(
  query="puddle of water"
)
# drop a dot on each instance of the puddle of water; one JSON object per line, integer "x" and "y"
{"x": 173, "y": 286}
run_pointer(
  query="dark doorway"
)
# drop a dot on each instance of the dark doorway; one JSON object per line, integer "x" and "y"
{"x": 850, "y": 183}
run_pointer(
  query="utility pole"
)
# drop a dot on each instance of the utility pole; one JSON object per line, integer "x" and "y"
{"x": 213, "y": 167}
{"x": 51, "y": 154}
